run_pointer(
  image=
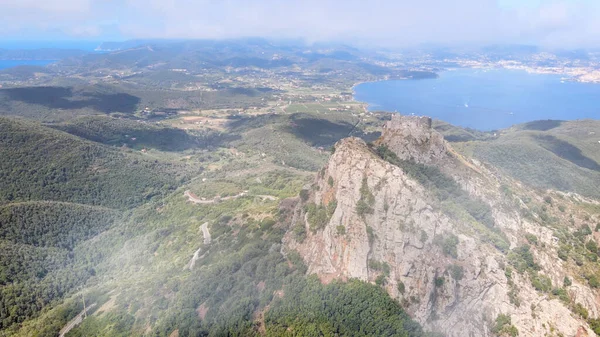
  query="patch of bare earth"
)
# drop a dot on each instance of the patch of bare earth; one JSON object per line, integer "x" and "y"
{"x": 259, "y": 315}
{"x": 195, "y": 122}
{"x": 202, "y": 311}
{"x": 261, "y": 286}
{"x": 108, "y": 306}
{"x": 259, "y": 319}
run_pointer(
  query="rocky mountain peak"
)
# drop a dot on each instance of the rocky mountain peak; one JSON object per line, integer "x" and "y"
{"x": 413, "y": 138}
{"x": 434, "y": 229}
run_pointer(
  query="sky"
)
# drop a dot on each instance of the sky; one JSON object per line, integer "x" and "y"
{"x": 390, "y": 23}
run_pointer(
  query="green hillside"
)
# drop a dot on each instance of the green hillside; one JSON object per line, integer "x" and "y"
{"x": 41, "y": 163}
{"x": 58, "y": 192}
{"x": 53, "y": 224}
{"x": 39, "y": 262}
{"x": 156, "y": 182}
{"x": 138, "y": 134}
{"x": 547, "y": 154}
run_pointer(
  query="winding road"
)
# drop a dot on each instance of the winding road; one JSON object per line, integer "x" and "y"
{"x": 205, "y": 233}
{"x": 207, "y": 239}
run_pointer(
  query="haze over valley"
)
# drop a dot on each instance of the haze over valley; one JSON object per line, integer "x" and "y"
{"x": 218, "y": 169}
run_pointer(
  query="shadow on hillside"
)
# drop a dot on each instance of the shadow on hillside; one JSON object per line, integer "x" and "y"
{"x": 245, "y": 123}
{"x": 306, "y": 127}
{"x": 567, "y": 152}
{"x": 542, "y": 125}
{"x": 453, "y": 133}
{"x": 323, "y": 132}
{"x": 166, "y": 139}
{"x": 64, "y": 98}
{"x": 179, "y": 140}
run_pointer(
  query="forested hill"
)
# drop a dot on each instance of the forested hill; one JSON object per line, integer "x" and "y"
{"x": 138, "y": 134}
{"x": 560, "y": 155}
{"x": 58, "y": 192}
{"x": 41, "y": 246}
{"x": 76, "y": 212}
{"x": 40, "y": 163}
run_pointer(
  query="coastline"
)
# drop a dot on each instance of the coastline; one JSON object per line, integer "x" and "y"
{"x": 379, "y": 103}
{"x": 577, "y": 74}
{"x": 386, "y": 78}
{"x": 353, "y": 91}
{"x": 12, "y": 63}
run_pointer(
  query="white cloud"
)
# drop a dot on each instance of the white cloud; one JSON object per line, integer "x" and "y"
{"x": 561, "y": 23}
{"x": 390, "y": 22}
{"x": 54, "y": 6}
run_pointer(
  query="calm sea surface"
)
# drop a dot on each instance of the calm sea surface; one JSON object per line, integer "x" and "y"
{"x": 485, "y": 99}
{"x": 13, "y": 63}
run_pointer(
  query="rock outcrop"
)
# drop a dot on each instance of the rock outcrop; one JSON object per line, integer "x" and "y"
{"x": 449, "y": 270}
{"x": 413, "y": 138}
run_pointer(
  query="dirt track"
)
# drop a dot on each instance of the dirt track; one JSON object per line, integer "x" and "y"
{"x": 193, "y": 198}
{"x": 75, "y": 321}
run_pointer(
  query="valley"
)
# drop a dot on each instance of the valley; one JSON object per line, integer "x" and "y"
{"x": 237, "y": 188}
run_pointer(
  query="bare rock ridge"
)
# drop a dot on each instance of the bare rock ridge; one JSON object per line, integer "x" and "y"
{"x": 413, "y": 138}
{"x": 448, "y": 265}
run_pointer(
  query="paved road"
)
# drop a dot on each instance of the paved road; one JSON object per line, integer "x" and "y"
{"x": 205, "y": 233}
{"x": 207, "y": 239}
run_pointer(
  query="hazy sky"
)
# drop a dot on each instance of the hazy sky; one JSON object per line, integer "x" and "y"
{"x": 556, "y": 23}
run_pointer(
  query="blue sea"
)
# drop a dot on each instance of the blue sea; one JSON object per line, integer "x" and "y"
{"x": 13, "y": 63}
{"x": 485, "y": 99}
{"x": 33, "y": 44}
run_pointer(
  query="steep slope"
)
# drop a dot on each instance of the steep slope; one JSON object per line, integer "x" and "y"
{"x": 43, "y": 253}
{"x": 58, "y": 193}
{"x": 41, "y": 163}
{"x": 562, "y": 155}
{"x": 143, "y": 281}
{"x": 467, "y": 251}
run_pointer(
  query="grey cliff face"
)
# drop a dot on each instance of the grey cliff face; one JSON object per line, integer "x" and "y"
{"x": 388, "y": 229}
{"x": 413, "y": 138}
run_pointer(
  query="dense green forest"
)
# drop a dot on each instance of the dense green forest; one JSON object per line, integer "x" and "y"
{"x": 40, "y": 163}
{"x": 256, "y": 281}
{"x": 338, "y": 309}
{"x": 57, "y": 192}
{"x": 53, "y": 224}
{"x": 23, "y": 300}
{"x": 38, "y": 261}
